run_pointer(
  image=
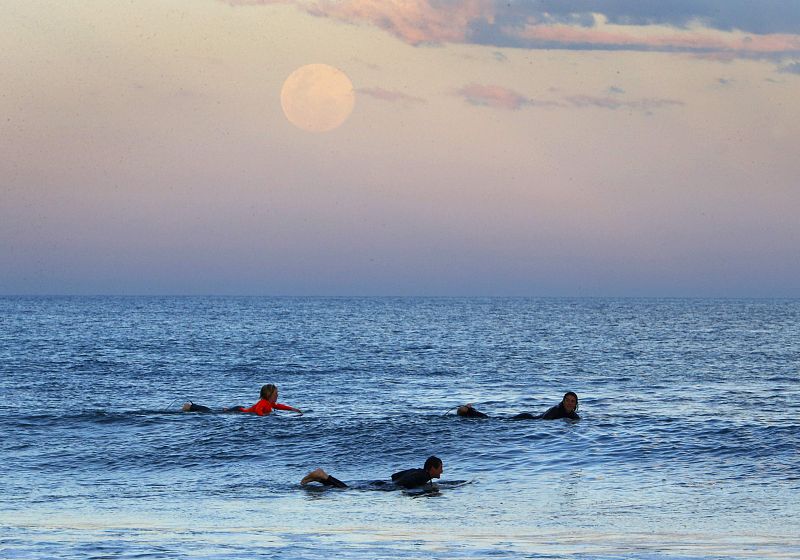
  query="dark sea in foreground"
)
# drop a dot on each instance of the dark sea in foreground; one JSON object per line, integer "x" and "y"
{"x": 689, "y": 446}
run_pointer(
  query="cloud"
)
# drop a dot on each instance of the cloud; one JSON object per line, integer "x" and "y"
{"x": 738, "y": 27}
{"x": 614, "y": 103}
{"x": 499, "y": 97}
{"x": 391, "y": 96}
{"x": 603, "y": 35}
{"x": 791, "y": 68}
{"x": 413, "y": 21}
{"x": 760, "y": 17}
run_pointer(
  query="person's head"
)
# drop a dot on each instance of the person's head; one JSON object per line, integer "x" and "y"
{"x": 433, "y": 466}
{"x": 269, "y": 392}
{"x": 463, "y": 410}
{"x": 570, "y": 401}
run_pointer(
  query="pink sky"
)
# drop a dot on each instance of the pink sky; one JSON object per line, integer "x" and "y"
{"x": 493, "y": 150}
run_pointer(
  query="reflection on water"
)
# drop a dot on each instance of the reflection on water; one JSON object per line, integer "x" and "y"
{"x": 370, "y": 541}
{"x": 688, "y": 447}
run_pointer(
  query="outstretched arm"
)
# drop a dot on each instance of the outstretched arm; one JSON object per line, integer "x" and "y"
{"x": 280, "y": 406}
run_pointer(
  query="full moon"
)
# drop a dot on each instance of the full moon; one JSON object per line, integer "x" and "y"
{"x": 317, "y": 97}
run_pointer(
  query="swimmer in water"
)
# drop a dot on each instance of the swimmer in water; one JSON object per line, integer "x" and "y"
{"x": 409, "y": 478}
{"x": 189, "y": 406}
{"x": 266, "y": 404}
{"x": 469, "y": 411}
{"x": 567, "y": 408}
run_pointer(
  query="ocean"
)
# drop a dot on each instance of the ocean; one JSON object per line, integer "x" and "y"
{"x": 688, "y": 446}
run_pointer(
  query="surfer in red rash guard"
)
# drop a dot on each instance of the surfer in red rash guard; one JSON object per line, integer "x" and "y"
{"x": 266, "y": 404}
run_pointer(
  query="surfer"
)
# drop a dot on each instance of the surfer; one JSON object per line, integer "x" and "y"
{"x": 409, "y": 478}
{"x": 267, "y": 403}
{"x": 469, "y": 411}
{"x": 567, "y": 408}
{"x": 189, "y": 406}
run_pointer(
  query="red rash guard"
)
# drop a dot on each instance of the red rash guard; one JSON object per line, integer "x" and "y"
{"x": 264, "y": 407}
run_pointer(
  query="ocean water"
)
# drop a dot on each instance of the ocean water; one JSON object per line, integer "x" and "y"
{"x": 688, "y": 447}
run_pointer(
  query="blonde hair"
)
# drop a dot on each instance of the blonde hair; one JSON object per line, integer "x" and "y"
{"x": 268, "y": 390}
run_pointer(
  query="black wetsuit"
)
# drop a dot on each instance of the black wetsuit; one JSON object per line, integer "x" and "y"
{"x": 333, "y": 481}
{"x": 472, "y": 413}
{"x": 409, "y": 478}
{"x": 553, "y": 413}
{"x": 198, "y": 408}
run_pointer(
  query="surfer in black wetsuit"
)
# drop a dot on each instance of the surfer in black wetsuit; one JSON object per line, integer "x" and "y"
{"x": 409, "y": 478}
{"x": 565, "y": 409}
{"x": 469, "y": 411}
{"x": 189, "y": 406}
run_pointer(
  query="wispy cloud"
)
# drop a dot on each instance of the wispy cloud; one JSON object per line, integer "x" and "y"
{"x": 696, "y": 38}
{"x": 391, "y": 96}
{"x": 413, "y": 21}
{"x": 614, "y": 103}
{"x": 499, "y": 97}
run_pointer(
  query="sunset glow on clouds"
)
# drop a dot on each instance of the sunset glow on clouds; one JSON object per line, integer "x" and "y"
{"x": 412, "y": 21}
{"x": 534, "y": 25}
{"x": 499, "y": 97}
{"x": 694, "y": 39}
{"x": 390, "y": 96}
{"x": 494, "y": 148}
{"x": 494, "y": 96}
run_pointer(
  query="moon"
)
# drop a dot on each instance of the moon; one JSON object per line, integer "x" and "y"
{"x": 317, "y": 97}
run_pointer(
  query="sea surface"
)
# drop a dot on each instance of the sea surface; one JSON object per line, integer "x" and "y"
{"x": 688, "y": 446}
